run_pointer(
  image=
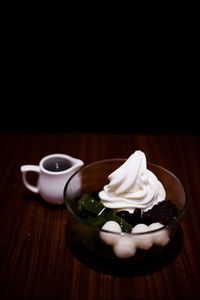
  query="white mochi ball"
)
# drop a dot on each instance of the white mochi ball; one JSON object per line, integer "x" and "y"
{"x": 143, "y": 241}
{"x": 110, "y": 238}
{"x": 161, "y": 237}
{"x": 124, "y": 247}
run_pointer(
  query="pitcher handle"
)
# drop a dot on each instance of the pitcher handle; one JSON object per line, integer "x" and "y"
{"x": 30, "y": 168}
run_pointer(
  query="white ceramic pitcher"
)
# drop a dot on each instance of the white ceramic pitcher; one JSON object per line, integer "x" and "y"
{"x": 53, "y": 172}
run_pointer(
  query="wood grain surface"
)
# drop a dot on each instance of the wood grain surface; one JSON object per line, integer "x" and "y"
{"x": 35, "y": 260}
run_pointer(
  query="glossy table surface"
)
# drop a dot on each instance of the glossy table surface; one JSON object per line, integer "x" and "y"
{"x": 35, "y": 260}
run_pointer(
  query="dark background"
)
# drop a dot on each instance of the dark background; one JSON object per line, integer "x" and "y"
{"x": 51, "y": 91}
{"x": 58, "y": 76}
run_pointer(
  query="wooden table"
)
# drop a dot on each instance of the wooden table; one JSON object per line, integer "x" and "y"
{"x": 35, "y": 261}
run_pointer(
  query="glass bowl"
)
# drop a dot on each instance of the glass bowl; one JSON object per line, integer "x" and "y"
{"x": 91, "y": 242}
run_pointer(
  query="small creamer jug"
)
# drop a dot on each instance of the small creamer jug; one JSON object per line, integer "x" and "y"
{"x": 53, "y": 172}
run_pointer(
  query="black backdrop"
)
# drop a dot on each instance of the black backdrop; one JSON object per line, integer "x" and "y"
{"x": 67, "y": 78}
{"x": 44, "y": 95}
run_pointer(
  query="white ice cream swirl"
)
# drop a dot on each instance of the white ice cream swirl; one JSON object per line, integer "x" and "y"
{"x": 132, "y": 186}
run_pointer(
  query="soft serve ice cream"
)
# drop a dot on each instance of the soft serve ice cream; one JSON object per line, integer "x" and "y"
{"x": 132, "y": 186}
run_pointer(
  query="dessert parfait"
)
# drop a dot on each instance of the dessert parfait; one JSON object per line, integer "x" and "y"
{"x": 134, "y": 211}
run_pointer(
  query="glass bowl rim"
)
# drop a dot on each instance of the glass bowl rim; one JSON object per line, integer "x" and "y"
{"x": 168, "y": 226}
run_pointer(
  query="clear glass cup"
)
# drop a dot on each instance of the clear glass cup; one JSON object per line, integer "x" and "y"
{"x": 88, "y": 242}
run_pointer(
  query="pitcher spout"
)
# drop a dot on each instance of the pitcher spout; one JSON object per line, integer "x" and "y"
{"x": 76, "y": 164}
